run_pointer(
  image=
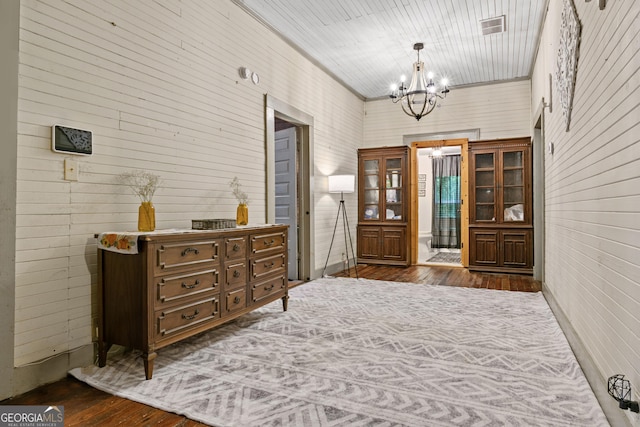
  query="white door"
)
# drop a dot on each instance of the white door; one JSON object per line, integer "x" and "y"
{"x": 286, "y": 207}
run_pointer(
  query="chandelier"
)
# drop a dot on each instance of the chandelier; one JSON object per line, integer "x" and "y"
{"x": 421, "y": 97}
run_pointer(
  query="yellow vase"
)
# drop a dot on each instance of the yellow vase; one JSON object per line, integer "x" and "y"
{"x": 146, "y": 217}
{"x": 242, "y": 214}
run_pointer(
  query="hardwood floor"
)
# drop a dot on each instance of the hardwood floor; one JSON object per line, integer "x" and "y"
{"x": 87, "y": 407}
{"x": 447, "y": 276}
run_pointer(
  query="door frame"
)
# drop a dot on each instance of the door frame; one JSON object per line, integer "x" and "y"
{"x": 463, "y": 143}
{"x": 306, "y": 233}
{"x": 538, "y": 150}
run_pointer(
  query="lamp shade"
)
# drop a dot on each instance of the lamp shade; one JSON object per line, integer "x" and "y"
{"x": 342, "y": 183}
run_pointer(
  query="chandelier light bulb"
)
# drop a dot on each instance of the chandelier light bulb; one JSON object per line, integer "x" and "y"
{"x": 430, "y": 75}
{"x": 444, "y": 82}
{"x": 394, "y": 87}
{"x": 403, "y": 78}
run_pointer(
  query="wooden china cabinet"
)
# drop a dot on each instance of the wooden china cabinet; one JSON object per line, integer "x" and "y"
{"x": 383, "y": 206}
{"x": 500, "y": 214}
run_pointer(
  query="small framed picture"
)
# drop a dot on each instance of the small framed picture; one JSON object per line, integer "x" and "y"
{"x": 422, "y": 177}
{"x": 422, "y": 188}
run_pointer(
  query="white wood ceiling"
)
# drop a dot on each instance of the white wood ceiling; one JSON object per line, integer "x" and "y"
{"x": 368, "y": 44}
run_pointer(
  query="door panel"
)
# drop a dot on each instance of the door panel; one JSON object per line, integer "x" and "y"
{"x": 286, "y": 206}
{"x": 368, "y": 242}
{"x": 516, "y": 248}
{"x": 484, "y": 247}
{"x": 394, "y": 244}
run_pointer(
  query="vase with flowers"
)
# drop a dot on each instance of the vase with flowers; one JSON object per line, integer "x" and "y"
{"x": 242, "y": 212}
{"x": 144, "y": 185}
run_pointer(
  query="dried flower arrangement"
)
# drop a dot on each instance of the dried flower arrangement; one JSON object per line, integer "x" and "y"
{"x": 240, "y": 195}
{"x": 143, "y": 184}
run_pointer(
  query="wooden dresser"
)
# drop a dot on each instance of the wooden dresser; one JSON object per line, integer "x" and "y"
{"x": 183, "y": 283}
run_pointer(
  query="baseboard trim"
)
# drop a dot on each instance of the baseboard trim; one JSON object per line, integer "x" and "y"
{"x": 614, "y": 414}
{"x": 29, "y": 377}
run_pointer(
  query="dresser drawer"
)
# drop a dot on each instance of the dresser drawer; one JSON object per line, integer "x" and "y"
{"x": 173, "y": 255}
{"x": 235, "y": 248}
{"x": 235, "y": 274}
{"x": 173, "y": 288}
{"x": 174, "y": 320}
{"x": 235, "y": 300}
{"x": 268, "y": 288}
{"x": 268, "y": 242}
{"x": 267, "y": 266}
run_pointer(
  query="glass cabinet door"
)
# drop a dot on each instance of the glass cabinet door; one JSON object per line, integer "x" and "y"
{"x": 372, "y": 189}
{"x": 513, "y": 189}
{"x": 393, "y": 189}
{"x": 485, "y": 187}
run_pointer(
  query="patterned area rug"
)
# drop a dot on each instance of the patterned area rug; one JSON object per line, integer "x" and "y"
{"x": 446, "y": 257}
{"x": 361, "y": 352}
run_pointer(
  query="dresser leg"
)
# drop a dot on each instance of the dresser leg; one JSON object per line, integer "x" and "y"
{"x": 103, "y": 348}
{"x": 147, "y": 359}
{"x": 285, "y": 302}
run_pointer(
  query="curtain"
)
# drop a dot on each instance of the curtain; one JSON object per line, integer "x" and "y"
{"x": 445, "y": 220}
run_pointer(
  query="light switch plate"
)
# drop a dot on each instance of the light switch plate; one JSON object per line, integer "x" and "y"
{"x": 70, "y": 170}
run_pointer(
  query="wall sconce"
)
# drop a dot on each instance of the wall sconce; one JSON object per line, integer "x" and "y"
{"x": 620, "y": 390}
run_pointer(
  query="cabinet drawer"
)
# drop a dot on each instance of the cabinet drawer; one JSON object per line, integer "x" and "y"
{"x": 262, "y": 243}
{"x": 172, "y": 255}
{"x": 235, "y": 248}
{"x": 174, "y": 320}
{"x": 172, "y": 288}
{"x": 270, "y": 287}
{"x": 262, "y": 267}
{"x": 235, "y": 274}
{"x": 236, "y": 300}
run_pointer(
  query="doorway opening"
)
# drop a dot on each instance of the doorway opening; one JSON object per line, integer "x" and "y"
{"x": 439, "y": 193}
{"x": 439, "y": 208}
{"x": 289, "y": 166}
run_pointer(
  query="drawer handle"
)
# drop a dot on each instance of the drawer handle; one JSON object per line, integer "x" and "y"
{"x": 268, "y": 288}
{"x": 184, "y": 285}
{"x": 266, "y": 243}
{"x": 236, "y": 300}
{"x": 236, "y": 273}
{"x": 236, "y": 247}
{"x": 191, "y": 316}
{"x": 186, "y": 251}
{"x": 269, "y": 265}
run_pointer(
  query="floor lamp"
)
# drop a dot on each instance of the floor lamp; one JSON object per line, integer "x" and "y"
{"x": 342, "y": 184}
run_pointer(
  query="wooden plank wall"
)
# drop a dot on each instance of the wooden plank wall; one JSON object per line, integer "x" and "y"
{"x": 9, "y": 42}
{"x": 158, "y": 84}
{"x": 500, "y": 110}
{"x": 593, "y": 185}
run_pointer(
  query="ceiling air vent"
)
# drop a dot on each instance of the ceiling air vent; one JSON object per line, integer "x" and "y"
{"x": 493, "y": 25}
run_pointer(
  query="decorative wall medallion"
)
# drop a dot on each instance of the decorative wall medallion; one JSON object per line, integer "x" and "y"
{"x": 567, "y": 63}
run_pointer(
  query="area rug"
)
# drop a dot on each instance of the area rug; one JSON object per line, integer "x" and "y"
{"x": 446, "y": 258}
{"x": 355, "y": 352}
